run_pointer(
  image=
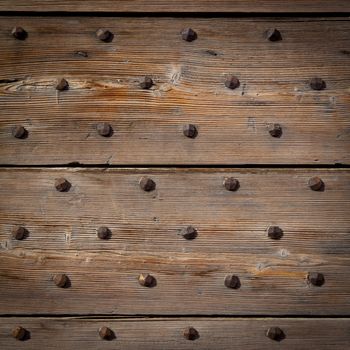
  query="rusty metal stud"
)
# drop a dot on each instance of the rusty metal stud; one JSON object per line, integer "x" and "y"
{"x": 316, "y": 184}
{"x": 231, "y": 184}
{"x": 275, "y": 333}
{"x": 61, "y": 280}
{"x": 188, "y": 34}
{"x": 316, "y": 278}
{"x": 19, "y": 33}
{"x": 19, "y": 132}
{"x": 146, "y": 83}
{"x": 19, "y": 232}
{"x": 147, "y": 184}
{"x": 273, "y": 34}
{"x": 190, "y": 130}
{"x": 105, "y": 35}
{"x": 62, "y": 185}
{"x": 104, "y": 232}
{"x": 62, "y": 84}
{"x": 104, "y": 129}
{"x": 191, "y": 333}
{"x": 19, "y": 333}
{"x": 317, "y": 84}
{"x": 274, "y": 232}
{"x": 275, "y": 130}
{"x": 146, "y": 280}
{"x": 232, "y": 82}
{"x": 189, "y": 232}
{"x": 232, "y": 281}
{"x": 106, "y": 333}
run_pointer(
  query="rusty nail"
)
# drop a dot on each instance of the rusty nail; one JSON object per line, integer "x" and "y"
{"x": 105, "y": 35}
{"x": 232, "y": 281}
{"x": 273, "y": 34}
{"x": 61, "y": 280}
{"x": 275, "y": 333}
{"x": 19, "y": 333}
{"x": 317, "y": 84}
{"x": 62, "y": 185}
{"x": 275, "y": 130}
{"x": 232, "y": 82}
{"x": 146, "y": 83}
{"x": 19, "y": 232}
{"x": 104, "y": 232}
{"x": 316, "y": 278}
{"x": 189, "y": 232}
{"x": 19, "y": 132}
{"x": 190, "y": 130}
{"x": 191, "y": 333}
{"x": 147, "y": 184}
{"x": 231, "y": 184}
{"x": 62, "y": 84}
{"x": 19, "y": 33}
{"x": 104, "y": 129}
{"x": 274, "y": 232}
{"x": 316, "y": 184}
{"x": 106, "y": 333}
{"x": 188, "y": 34}
{"x": 146, "y": 280}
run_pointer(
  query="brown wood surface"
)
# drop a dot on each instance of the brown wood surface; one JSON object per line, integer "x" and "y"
{"x": 189, "y": 88}
{"x": 145, "y": 238}
{"x": 154, "y": 6}
{"x": 165, "y": 333}
{"x": 227, "y": 222}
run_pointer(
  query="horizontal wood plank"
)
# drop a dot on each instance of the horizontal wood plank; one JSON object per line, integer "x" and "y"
{"x": 103, "y": 282}
{"x": 165, "y": 333}
{"x": 313, "y": 222}
{"x": 145, "y": 239}
{"x": 178, "y": 6}
{"x": 189, "y": 88}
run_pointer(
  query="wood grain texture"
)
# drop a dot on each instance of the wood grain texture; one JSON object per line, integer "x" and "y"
{"x": 178, "y": 6}
{"x": 189, "y": 88}
{"x": 227, "y": 222}
{"x": 145, "y": 238}
{"x": 165, "y": 333}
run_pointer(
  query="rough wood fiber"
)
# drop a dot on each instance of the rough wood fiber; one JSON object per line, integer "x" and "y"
{"x": 145, "y": 226}
{"x": 106, "y": 282}
{"x": 165, "y": 333}
{"x": 227, "y": 222}
{"x": 177, "y": 6}
{"x": 189, "y": 88}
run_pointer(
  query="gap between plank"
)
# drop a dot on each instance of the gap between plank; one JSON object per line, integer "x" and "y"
{"x": 181, "y": 166}
{"x": 318, "y": 15}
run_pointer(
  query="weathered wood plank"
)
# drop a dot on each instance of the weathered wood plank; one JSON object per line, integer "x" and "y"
{"x": 227, "y": 222}
{"x": 165, "y": 333}
{"x": 189, "y": 88}
{"x": 145, "y": 238}
{"x": 106, "y": 282}
{"x": 161, "y": 6}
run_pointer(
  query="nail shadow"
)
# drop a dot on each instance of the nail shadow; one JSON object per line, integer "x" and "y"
{"x": 110, "y": 38}
{"x": 68, "y": 284}
{"x": 26, "y": 336}
{"x": 112, "y": 336}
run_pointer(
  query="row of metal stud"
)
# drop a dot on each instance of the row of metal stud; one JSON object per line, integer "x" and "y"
{"x": 106, "y": 130}
{"x": 189, "y": 333}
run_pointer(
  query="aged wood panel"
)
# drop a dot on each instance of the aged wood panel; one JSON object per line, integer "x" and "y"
{"x": 245, "y": 6}
{"x": 165, "y": 333}
{"x": 190, "y": 274}
{"x": 227, "y": 222}
{"x": 189, "y": 88}
{"x": 106, "y": 282}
